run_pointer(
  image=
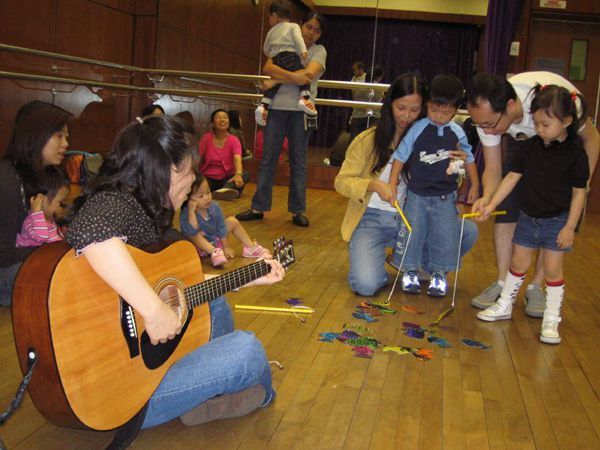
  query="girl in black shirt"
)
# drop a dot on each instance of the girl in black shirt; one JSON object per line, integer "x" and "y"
{"x": 552, "y": 171}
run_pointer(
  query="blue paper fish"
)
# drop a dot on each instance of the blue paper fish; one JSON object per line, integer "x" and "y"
{"x": 476, "y": 344}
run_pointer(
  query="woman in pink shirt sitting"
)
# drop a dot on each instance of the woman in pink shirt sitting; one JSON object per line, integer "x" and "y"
{"x": 221, "y": 159}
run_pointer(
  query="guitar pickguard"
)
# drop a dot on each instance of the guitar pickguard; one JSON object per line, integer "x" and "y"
{"x": 154, "y": 356}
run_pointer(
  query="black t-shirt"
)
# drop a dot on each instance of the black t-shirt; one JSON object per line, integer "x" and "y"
{"x": 549, "y": 175}
{"x": 14, "y": 210}
{"x": 111, "y": 214}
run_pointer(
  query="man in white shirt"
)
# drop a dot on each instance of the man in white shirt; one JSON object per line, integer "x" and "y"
{"x": 497, "y": 107}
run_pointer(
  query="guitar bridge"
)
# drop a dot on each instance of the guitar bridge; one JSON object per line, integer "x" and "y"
{"x": 129, "y": 328}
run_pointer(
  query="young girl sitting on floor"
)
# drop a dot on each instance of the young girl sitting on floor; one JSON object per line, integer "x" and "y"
{"x": 39, "y": 227}
{"x": 553, "y": 170}
{"x": 202, "y": 221}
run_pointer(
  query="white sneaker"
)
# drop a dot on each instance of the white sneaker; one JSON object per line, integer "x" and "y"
{"x": 549, "y": 333}
{"x": 498, "y": 311}
{"x": 260, "y": 115}
{"x": 308, "y": 107}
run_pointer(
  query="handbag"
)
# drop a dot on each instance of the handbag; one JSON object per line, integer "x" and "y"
{"x": 82, "y": 166}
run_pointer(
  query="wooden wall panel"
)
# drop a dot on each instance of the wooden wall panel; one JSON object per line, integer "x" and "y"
{"x": 28, "y": 23}
{"x": 127, "y": 6}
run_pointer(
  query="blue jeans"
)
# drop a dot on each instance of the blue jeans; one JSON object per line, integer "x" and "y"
{"x": 7, "y": 280}
{"x": 435, "y": 222}
{"x": 279, "y": 125}
{"x": 231, "y": 361}
{"x": 377, "y": 230}
{"x": 534, "y": 232}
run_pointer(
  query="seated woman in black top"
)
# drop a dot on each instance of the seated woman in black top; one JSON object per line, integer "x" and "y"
{"x": 37, "y": 146}
{"x": 143, "y": 181}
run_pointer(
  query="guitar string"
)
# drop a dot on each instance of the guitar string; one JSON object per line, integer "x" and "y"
{"x": 194, "y": 295}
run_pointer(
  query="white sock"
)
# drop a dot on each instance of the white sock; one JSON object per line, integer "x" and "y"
{"x": 511, "y": 287}
{"x": 500, "y": 282}
{"x": 555, "y": 292}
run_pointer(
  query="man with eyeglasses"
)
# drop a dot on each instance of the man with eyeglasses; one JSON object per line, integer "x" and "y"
{"x": 499, "y": 106}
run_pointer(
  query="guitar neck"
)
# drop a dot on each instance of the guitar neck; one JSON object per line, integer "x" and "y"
{"x": 215, "y": 287}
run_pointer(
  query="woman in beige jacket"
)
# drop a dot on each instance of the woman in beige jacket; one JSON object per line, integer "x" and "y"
{"x": 371, "y": 224}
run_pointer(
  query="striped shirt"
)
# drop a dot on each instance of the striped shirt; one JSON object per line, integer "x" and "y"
{"x": 36, "y": 230}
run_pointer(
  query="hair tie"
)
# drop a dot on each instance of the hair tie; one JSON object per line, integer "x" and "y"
{"x": 543, "y": 87}
{"x": 140, "y": 120}
{"x": 574, "y": 95}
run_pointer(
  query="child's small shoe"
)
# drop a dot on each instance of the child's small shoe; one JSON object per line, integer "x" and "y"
{"x": 549, "y": 334}
{"x": 410, "y": 283}
{"x": 260, "y": 115}
{"x": 438, "y": 285}
{"x": 256, "y": 251}
{"x": 217, "y": 257}
{"x": 308, "y": 107}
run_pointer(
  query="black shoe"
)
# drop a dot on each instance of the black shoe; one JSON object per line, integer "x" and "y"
{"x": 250, "y": 215}
{"x": 300, "y": 219}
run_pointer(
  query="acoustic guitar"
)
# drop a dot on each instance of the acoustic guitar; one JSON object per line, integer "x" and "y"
{"x": 96, "y": 366}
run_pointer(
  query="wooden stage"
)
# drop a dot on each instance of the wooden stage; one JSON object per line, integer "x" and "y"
{"x": 518, "y": 394}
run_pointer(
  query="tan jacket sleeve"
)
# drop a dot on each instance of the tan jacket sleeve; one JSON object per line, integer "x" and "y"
{"x": 354, "y": 176}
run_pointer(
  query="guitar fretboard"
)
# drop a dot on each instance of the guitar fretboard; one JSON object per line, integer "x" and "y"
{"x": 215, "y": 287}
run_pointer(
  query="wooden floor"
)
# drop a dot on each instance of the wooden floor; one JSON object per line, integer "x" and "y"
{"x": 518, "y": 394}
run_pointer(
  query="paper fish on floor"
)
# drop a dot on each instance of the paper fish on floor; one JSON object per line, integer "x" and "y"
{"x": 440, "y": 342}
{"x": 328, "y": 337}
{"x": 423, "y": 354}
{"x": 411, "y": 309}
{"x": 475, "y": 344}
{"x": 410, "y": 325}
{"x": 399, "y": 350}
{"x": 364, "y": 316}
{"x": 368, "y": 310}
{"x": 384, "y": 308}
{"x": 348, "y": 334}
{"x": 416, "y": 333}
{"x": 294, "y": 301}
{"x": 363, "y": 342}
{"x": 363, "y": 352}
{"x": 357, "y": 328}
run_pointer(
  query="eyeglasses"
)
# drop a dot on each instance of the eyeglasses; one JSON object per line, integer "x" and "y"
{"x": 489, "y": 127}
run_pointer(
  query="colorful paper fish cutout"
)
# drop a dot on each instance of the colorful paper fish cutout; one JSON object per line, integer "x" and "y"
{"x": 328, "y": 337}
{"x": 399, "y": 350}
{"x": 411, "y": 309}
{"x": 294, "y": 301}
{"x": 440, "y": 342}
{"x": 383, "y": 307}
{"x": 416, "y": 333}
{"x": 364, "y": 316}
{"x": 363, "y": 342}
{"x": 410, "y": 325}
{"x": 348, "y": 334}
{"x": 475, "y": 344}
{"x": 357, "y": 328}
{"x": 423, "y": 354}
{"x": 363, "y": 352}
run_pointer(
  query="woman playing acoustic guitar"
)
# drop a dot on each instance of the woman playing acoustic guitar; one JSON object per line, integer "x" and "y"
{"x": 143, "y": 181}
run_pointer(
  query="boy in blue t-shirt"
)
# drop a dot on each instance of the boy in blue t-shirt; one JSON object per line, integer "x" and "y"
{"x": 432, "y": 184}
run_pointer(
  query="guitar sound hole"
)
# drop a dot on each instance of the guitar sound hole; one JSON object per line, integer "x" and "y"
{"x": 173, "y": 297}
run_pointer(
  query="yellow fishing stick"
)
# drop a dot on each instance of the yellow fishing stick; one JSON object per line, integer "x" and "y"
{"x": 450, "y": 310}
{"x": 409, "y": 228}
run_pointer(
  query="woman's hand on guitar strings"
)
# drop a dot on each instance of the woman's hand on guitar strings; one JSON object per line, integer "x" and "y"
{"x": 162, "y": 325}
{"x": 276, "y": 274}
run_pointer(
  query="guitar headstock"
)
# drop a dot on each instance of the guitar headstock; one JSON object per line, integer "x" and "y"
{"x": 283, "y": 251}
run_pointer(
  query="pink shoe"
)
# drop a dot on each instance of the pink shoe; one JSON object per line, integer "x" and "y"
{"x": 254, "y": 252}
{"x": 308, "y": 107}
{"x": 217, "y": 257}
